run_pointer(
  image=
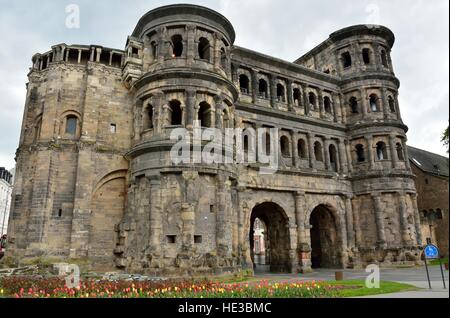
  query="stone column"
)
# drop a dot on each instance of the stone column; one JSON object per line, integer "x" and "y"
{"x": 385, "y": 103}
{"x": 356, "y": 222}
{"x": 321, "y": 106}
{"x": 158, "y": 112}
{"x": 190, "y": 39}
{"x": 405, "y": 154}
{"x": 305, "y": 99}
{"x": 294, "y": 149}
{"x": 254, "y": 86}
{"x": 379, "y": 220}
{"x": 162, "y": 47}
{"x": 349, "y": 155}
{"x": 273, "y": 91}
{"x": 326, "y": 153}
{"x": 156, "y": 227}
{"x": 234, "y": 73}
{"x": 311, "y": 150}
{"x": 110, "y": 57}
{"x": 337, "y": 108}
{"x": 79, "y": 56}
{"x": 349, "y": 221}
{"x": 303, "y": 247}
{"x": 403, "y": 212}
{"x": 190, "y": 107}
{"x": 342, "y": 156}
{"x": 364, "y": 102}
{"x": 290, "y": 97}
{"x": 219, "y": 111}
{"x": 223, "y": 220}
{"x": 343, "y": 108}
{"x": 92, "y": 54}
{"x": 188, "y": 209}
{"x": 99, "y": 53}
{"x": 417, "y": 224}
{"x": 394, "y": 158}
{"x": 369, "y": 140}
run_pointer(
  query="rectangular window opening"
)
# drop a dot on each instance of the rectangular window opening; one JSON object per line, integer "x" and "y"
{"x": 198, "y": 239}
{"x": 171, "y": 239}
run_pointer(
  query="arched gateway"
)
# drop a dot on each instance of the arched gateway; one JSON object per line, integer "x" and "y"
{"x": 272, "y": 229}
{"x": 325, "y": 240}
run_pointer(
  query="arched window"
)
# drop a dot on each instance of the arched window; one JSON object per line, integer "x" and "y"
{"x": 177, "y": 45}
{"x": 223, "y": 58}
{"x": 148, "y": 117}
{"x": 333, "y": 157}
{"x": 327, "y": 104}
{"x": 302, "y": 151}
{"x": 204, "y": 49}
{"x": 204, "y": 115}
{"x": 346, "y": 59}
{"x": 280, "y": 93}
{"x": 384, "y": 59}
{"x": 154, "y": 49}
{"x": 439, "y": 215}
{"x": 297, "y": 96}
{"x": 284, "y": 144}
{"x": 318, "y": 153}
{"x": 360, "y": 153}
{"x": 374, "y": 103}
{"x": 366, "y": 56}
{"x": 71, "y": 124}
{"x": 391, "y": 102}
{"x": 381, "y": 151}
{"x": 176, "y": 114}
{"x": 312, "y": 100}
{"x": 400, "y": 153}
{"x": 354, "y": 105}
{"x": 262, "y": 89}
{"x": 244, "y": 84}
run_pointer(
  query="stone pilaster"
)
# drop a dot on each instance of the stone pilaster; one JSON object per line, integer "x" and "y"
{"x": 305, "y": 99}
{"x": 379, "y": 220}
{"x": 290, "y": 97}
{"x": 343, "y": 163}
{"x": 188, "y": 209}
{"x": 254, "y": 86}
{"x": 156, "y": 226}
{"x": 349, "y": 222}
{"x": 303, "y": 246}
{"x": 190, "y": 108}
{"x": 403, "y": 214}
{"x": 369, "y": 140}
{"x": 311, "y": 150}
{"x": 417, "y": 224}
{"x": 392, "y": 145}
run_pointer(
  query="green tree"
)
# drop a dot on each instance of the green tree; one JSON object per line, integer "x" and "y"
{"x": 445, "y": 139}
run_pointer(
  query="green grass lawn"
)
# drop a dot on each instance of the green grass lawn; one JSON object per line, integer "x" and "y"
{"x": 357, "y": 288}
{"x": 436, "y": 261}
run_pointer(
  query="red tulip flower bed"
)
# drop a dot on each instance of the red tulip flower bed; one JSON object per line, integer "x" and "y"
{"x": 27, "y": 287}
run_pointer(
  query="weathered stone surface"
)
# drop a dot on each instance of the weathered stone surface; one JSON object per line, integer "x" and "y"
{"x": 94, "y": 178}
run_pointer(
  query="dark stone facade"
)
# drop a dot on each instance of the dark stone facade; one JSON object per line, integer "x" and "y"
{"x": 94, "y": 176}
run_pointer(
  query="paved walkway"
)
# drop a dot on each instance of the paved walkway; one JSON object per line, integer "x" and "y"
{"x": 415, "y": 276}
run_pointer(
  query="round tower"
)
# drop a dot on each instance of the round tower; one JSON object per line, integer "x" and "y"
{"x": 382, "y": 179}
{"x": 178, "y": 69}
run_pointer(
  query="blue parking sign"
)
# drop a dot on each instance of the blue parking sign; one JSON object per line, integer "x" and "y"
{"x": 431, "y": 252}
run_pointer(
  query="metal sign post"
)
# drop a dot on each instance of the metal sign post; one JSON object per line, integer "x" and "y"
{"x": 432, "y": 252}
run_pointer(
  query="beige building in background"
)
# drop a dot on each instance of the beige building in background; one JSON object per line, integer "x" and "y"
{"x": 6, "y": 181}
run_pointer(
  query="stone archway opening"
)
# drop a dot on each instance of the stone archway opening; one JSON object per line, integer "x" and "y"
{"x": 270, "y": 225}
{"x": 324, "y": 239}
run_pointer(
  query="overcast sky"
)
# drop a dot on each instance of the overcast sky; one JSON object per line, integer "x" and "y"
{"x": 282, "y": 28}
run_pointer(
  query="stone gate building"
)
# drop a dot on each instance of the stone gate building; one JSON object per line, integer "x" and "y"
{"x": 94, "y": 180}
